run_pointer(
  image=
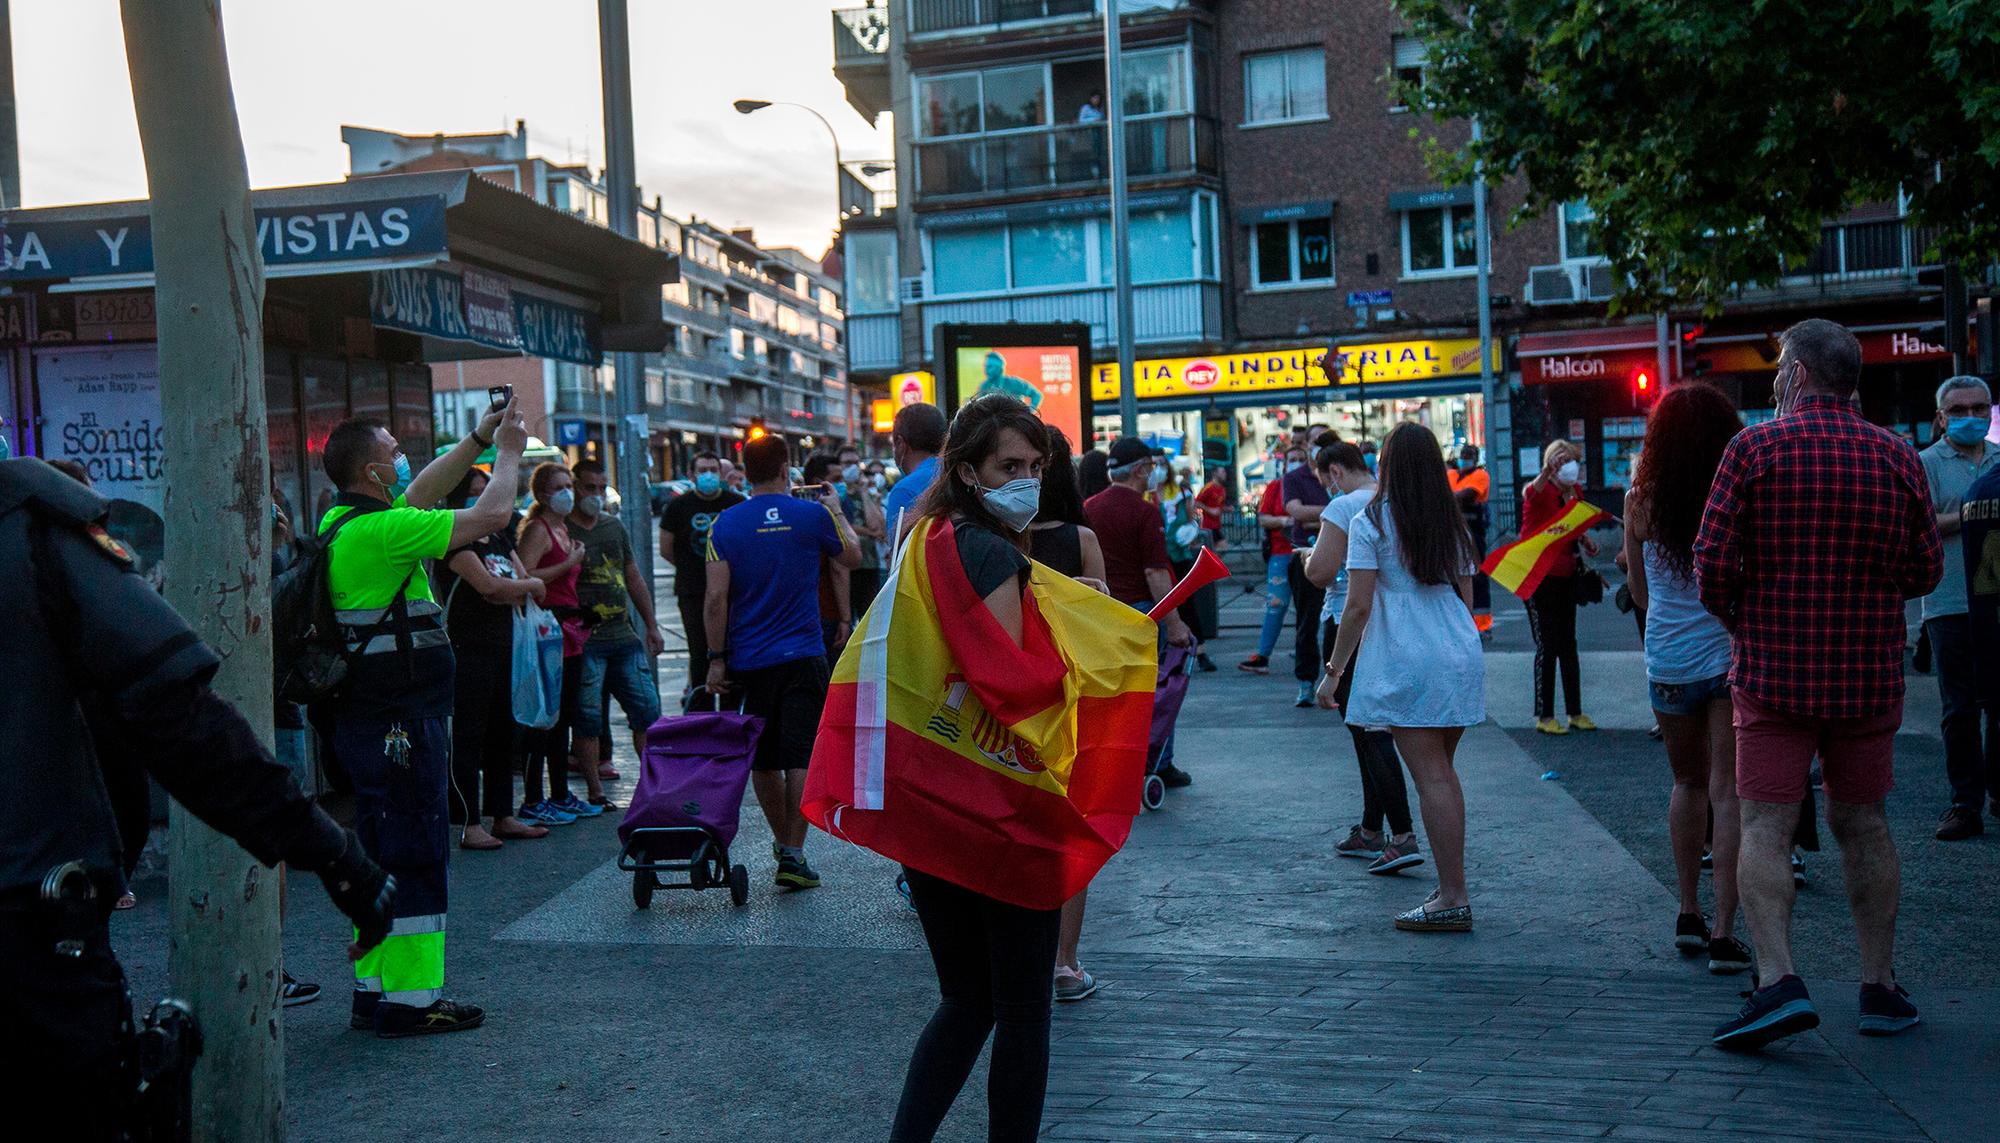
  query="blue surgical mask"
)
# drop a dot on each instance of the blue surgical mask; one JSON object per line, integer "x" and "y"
{"x": 1014, "y": 502}
{"x": 1156, "y": 478}
{"x": 402, "y": 483}
{"x": 707, "y": 483}
{"x": 1967, "y": 431}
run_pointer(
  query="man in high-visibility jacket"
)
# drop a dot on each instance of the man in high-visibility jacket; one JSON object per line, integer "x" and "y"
{"x": 1471, "y": 486}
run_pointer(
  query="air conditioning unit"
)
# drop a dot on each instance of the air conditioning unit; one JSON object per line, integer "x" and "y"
{"x": 1599, "y": 283}
{"x": 1552, "y": 285}
{"x": 910, "y": 289}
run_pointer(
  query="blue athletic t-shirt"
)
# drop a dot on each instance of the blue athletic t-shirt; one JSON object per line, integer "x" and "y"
{"x": 773, "y": 544}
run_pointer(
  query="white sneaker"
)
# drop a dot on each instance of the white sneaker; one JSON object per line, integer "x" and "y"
{"x": 1073, "y": 984}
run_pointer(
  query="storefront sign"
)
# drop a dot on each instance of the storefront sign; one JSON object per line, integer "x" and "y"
{"x": 419, "y": 300}
{"x": 883, "y": 413}
{"x": 1422, "y": 199}
{"x": 1760, "y": 354}
{"x": 1056, "y": 208}
{"x": 918, "y": 388}
{"x": 1587, "y": 354}
{"x": 1290, "y": 212}
{"x": 554, "y": 330}
{"x": 489, "y": 308}
{"x": 17, "y": 320}
{"x": 1280, "y": 370}
{"x": 286, "y": 235}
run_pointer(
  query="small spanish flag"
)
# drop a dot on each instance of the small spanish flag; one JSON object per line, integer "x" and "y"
{"x": 1011, "y": 771}
{"x": 1520, "y": 566}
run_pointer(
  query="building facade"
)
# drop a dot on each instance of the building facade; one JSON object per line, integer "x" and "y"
{"x": 755, "y": 334}
{"x": 1281, "y": 211}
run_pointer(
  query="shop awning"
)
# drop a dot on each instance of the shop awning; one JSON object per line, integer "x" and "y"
{"x": 1586, "y": 354}
{"x": 1756, "y": 351}
{"x": 472, "y": 267}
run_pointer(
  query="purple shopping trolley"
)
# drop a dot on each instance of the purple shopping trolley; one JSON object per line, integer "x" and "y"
{"x": 685, "y": 809}
{"x": 1170, "y": 692}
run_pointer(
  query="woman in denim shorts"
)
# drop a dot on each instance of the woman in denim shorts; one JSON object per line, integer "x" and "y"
{"x": 1688, "y": 654}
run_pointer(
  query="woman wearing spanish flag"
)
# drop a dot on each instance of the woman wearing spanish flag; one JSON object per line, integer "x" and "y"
{"x": 986, "y": 728}
{"x": 1552, "y": 606}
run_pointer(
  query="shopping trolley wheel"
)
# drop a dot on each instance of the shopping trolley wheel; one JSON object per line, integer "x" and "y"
{"x": 1154, "y": 792}
{"x": 698, "y": 875}
{"x": 739, "y": 885}
{"x": 642, "y": 888}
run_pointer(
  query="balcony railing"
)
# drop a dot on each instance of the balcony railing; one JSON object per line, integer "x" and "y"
{"x": 947, "y": 15}
{"x": 1073, "y": 154}
{"x": 860, "y": 36}
{"x": 1862, "y": 250}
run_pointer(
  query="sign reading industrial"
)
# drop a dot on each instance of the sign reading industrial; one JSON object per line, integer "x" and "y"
{"x": 1299, "y": 368}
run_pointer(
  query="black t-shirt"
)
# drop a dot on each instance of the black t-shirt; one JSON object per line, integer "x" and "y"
{"x": 988, "y": 558}
{"x": 1060, "y": 547}
{"x": 473, "y": 622}
{"x": 688, "y": 520}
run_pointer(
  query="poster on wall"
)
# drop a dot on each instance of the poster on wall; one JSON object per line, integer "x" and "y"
{"x": 101, "y": 409}
{"x": 1046, "y": 367}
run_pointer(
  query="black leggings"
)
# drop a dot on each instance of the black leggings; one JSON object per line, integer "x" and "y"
{"x": 996, "y": 973}
{"x": 1382, "y": 789}
{"x": 483, "y": 737}
{"x": 1308, "y": 599}
{"x": 550, "y": 748}
{"x": 1552, "y": 621}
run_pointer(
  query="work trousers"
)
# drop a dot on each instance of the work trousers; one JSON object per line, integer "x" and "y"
{"x": 400, "y": 768}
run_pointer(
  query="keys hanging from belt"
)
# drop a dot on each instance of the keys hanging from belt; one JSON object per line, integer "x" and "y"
{"x": 396, "y": 746}
{"x": 71, "y": 896}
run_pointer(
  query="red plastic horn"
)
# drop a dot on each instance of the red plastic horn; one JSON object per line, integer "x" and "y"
{"x": 1208, "y": 568}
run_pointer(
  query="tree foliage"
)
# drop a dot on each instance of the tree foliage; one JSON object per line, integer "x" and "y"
{"x": 1713, "y": 137}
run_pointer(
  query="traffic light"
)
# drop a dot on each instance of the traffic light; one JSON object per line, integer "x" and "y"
{"x": 1643, "y": 387}
{"x": 756, "y": 431}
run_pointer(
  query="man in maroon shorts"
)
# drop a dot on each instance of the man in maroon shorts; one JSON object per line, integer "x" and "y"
{"x": 1819, "y": 527}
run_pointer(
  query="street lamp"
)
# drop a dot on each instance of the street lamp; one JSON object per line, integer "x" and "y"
{"x": 751, "y": 107}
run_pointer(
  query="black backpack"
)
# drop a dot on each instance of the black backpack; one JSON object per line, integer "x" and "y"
{"x": 308, "y": 647}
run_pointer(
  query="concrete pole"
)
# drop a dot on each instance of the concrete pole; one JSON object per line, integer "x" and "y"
{"x": 10, "y": 137}
{"x": 1121, "y": 249}
{"x": 1488, "y": 389}
{"x": 631, "y": 434}
{"x": 224, "y": 951}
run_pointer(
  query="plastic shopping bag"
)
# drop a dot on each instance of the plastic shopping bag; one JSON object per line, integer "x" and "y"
{"x": 538, "y": 666}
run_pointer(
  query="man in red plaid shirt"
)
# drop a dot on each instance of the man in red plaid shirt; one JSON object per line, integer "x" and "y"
{"x": 1819, "y": 527}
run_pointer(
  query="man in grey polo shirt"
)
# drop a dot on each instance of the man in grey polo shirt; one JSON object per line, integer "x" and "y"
{"x": 1960, "y": 455}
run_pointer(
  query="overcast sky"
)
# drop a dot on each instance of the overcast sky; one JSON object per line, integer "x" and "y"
{"x": 302, "y": 68}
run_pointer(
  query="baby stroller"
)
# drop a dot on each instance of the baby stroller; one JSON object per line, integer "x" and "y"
{"x": 690, "y": 793}
{"x": 1168, "y": 695}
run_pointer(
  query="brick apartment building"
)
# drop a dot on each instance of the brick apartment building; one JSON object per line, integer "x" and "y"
{"x": 1277, "y": 196}
{"x": 755, "y": 333}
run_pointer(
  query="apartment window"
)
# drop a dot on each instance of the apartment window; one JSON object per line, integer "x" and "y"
{"x": 970, "y": 103}
{"x": 1282, "y": 87}
{"x": 1050, "y": 254}
{"x": 1439, "y": 240}
{"x": 1579, "y": 233}
{"x": 1156, "y": 82}
{"x": 1292, "y": 253}
{"x": 1407, "y": 57}
{"x": 871, "y": 271}
{"x": 656, "y": 389}
{"x": 969, "y": 261}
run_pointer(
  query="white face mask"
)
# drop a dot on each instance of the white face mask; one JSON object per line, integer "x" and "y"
{"x": 561, "y": 502}
{"x": 1156, "y": 478}
{"x": 1014, "y": 502}
{"x": 1567, "y": 474}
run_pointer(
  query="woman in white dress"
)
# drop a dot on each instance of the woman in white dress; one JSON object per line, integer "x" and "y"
{"x": 1410, "y": 564}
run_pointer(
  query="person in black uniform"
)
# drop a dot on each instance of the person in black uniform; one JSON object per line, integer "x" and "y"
{"x": 84, "y": 633}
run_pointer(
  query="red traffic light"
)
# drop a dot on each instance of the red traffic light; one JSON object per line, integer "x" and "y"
{"x": 1642, "y": 382}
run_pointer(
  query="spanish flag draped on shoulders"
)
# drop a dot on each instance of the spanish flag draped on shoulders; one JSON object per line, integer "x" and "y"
{"x": 1012, "y": 771}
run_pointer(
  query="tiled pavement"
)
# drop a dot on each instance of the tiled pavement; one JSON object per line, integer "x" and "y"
{"x": 1274, "y": 1051}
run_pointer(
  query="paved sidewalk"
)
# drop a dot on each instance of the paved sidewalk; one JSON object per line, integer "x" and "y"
{"x": 1255, "y": 987}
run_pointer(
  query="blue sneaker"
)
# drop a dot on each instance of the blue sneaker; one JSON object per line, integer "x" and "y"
{"x": 544, "y": 813}
{"x": 576, "y": 807}
{"x": 1770, "y": 1014}
{"x": 1884, "y": 1011}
